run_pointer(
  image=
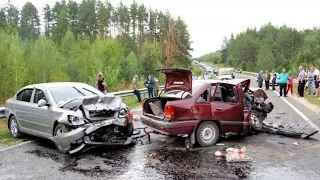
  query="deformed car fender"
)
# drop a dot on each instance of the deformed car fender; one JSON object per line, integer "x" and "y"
{"x": 65, "y": 139}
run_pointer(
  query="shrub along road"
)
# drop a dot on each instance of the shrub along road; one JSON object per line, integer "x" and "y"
{"x": 274, "y": 157}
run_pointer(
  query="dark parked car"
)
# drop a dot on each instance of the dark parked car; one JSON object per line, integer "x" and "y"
{"x": 204, "y": 109}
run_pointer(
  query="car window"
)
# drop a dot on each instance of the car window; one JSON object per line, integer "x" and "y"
{"x": 25, "y": 95}
{"x": 213, "y": 89}
{"x": 205, "y": 96}
{"x": 39, "y": 94}
{"x": 226, "y": 93}
{"x": 65, "y": 93}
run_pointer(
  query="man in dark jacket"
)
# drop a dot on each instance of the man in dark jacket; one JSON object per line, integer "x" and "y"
{"x": 150, "y": 85}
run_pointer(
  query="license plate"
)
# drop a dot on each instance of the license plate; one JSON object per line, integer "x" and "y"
{"x": 104, "y": 123}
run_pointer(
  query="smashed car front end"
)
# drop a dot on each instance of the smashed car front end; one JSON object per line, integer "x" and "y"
{"x": 94, "y": 121}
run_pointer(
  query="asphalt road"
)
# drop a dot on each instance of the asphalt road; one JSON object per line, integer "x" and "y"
{"x": 274, "y": 157}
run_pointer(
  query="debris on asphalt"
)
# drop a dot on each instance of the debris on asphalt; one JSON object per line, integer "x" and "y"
{"x": 313, "y": 147}
{"x": 237, "y": 155}
{"x": 295, "y": 143}
{"x": 220, "y": 144}
{"x": 218, "y": 153}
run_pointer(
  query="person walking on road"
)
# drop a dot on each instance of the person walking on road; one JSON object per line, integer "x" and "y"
{"x": 101, "y": 85}
{"x": 301, "y": 80}
{"x": 150, "y": 85}
{"x": 260, "y": 79}
{"x": 135, "y": 85}
{"x": 290, "y": 85}
{"x": 283, "y": 81}
{"x": 267, "y": 79}
{"x": 273, "y": 79}
{"x": 310, "y": 80}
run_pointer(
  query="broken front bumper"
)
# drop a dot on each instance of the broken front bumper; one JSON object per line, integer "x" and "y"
{"x": 80, "y": 136}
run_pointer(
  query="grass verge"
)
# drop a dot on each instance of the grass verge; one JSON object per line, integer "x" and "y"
{"x": 5, "y": 136}
{"x": 132, "y": 101}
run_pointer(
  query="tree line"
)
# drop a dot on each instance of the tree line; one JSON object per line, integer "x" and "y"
{"x": 269, "y": 47}
{"x": 78, "y": 40}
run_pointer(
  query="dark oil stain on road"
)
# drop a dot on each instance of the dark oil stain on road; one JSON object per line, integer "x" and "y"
{"x": 172, "y": 163}
{"x": 195, "y": 164}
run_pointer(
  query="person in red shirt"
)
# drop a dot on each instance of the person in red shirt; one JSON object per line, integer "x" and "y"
{"x": 290, "y": 85}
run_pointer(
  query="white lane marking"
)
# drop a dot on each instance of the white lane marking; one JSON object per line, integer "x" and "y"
{"x": 14, "y": 146}
{"x": 304, "y": 117}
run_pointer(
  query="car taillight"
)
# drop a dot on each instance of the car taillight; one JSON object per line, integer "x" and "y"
{"x": 130, "y": 115}
{"x": 168, "y": 112}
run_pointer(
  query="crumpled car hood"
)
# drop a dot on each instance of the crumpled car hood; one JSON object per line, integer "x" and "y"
{"x": 107, "y": 102}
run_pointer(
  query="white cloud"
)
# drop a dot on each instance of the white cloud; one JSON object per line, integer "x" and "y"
{"x": 210, "y": 20}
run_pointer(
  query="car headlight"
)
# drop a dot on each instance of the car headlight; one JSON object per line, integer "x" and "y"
{"x": 73, "y": 120}
{"x": 123, "y": 113}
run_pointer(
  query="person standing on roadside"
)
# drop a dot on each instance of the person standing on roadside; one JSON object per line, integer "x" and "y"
{"x": 135, "y": 85}
{"x": 150, "y": 85}
{"x": 101, "y": 85}
{"x": 310, "y": 80}
{"x": 260, "y": 79}
{"x": 316, "y": 80}
{"x": 290, "y": 84}
{"x": 273, "y": 79}
{"x": 283, "y": 81}
{"x": 156, "y": 86}
{"x": 267, "y": 79}
{"x": 301, "y": 80}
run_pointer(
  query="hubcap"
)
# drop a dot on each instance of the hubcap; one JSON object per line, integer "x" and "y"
{"x": 14, "y": 127}
{"x": 254, "y": 120}
{"x": 207, "y": 134}
{"x": 59, "y": 132}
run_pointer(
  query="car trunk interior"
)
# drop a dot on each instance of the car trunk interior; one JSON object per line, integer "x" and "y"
{"x": 155, "y": 106}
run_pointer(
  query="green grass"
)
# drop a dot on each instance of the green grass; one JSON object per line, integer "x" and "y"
{"x": 5, "y": 136}
{"x": 132, "y": 101}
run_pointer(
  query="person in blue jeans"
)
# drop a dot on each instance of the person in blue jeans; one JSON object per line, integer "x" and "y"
{"x": 150, "y": 85}
{"x": 283, "y": 81}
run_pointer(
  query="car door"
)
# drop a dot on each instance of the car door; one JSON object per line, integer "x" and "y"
{"x": 22, "y": 108}
{"x": 202, "y": 110}
{"x": 42, "y": 117}
{"x": 228, "y": 111}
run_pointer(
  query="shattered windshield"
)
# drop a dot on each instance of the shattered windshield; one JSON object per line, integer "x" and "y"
{"x": 64, "y": 93}
{"x": 196, "y": 86}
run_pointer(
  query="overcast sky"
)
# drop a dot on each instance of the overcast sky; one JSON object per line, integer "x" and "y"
{"x": 210, "y": 20}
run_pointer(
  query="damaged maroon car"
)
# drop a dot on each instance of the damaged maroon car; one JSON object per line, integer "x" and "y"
{"x": 205, "y": 109}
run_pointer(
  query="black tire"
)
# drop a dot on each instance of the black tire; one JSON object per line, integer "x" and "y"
{"x": 14, "y": 128}
{"x": 212, "y": 138}
{"x": 130, "y": 129}
{"x": 56, "y": 129}
{"x": 255, "y": 122}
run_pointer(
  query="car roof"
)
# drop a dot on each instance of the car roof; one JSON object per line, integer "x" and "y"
{"x": 232, "y": 81}
{"x": 56, "y": 84}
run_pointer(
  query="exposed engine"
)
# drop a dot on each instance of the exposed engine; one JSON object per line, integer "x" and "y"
{"x": 259, "y": 108}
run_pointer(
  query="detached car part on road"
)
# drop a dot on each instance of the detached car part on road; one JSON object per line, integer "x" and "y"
{"x": 205, "y": 109}
{"x": 72, "y": 115}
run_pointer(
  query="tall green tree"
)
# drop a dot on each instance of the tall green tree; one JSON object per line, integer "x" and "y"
{"x": 12, "y": 15}
{"x": 30, "y": 22}
{"x": 48, "y": 20}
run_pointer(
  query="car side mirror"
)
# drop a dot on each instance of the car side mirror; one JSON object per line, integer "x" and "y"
{"x": 42, "y": 103}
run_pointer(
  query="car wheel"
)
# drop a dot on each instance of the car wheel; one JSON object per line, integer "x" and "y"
{"x": 58, "y": 130}
{"x": 255, "y": 122}
{"x": 207, "y": 134}
{"x": 14, "y": 128}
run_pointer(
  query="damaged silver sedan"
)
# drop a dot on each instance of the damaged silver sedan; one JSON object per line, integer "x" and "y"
{"x": 73, "y": 115}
